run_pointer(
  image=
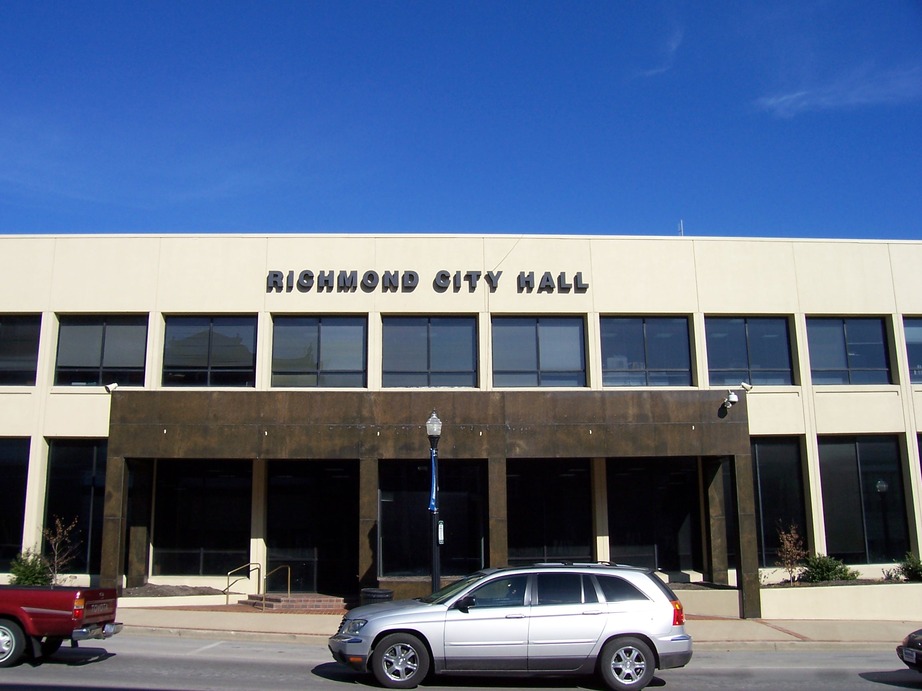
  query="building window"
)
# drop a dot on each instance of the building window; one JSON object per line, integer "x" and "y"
{"x": 319, "y": 351}
{"x": 98, "y": 350}
{"x": 645, "y": 351}
{"x": 848, "y": 351}
{"x": 14, "y": 467}
{"x": 210, "y": 351}
{"x": 559, "y": 526}
{"x": 864, "y": 507}
{"x": 76, "y": 490}
{"x": 748, "y": 349}
{"x": 779, "y": 493}
{"x": 430, "y": 351}
{"x": 404, "y": 541}
{"x": 19, "y": 349}
{"x": 913, "y": 329}
{"x": 188, "y": 490}
{"x": 545, "y": 351}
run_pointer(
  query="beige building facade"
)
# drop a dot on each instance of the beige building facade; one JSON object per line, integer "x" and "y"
{"x": 669, "y": 402}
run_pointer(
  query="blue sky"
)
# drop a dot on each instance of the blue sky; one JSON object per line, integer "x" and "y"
{"x": 788, "y": 118}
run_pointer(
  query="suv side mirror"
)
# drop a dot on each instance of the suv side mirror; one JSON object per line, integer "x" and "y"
{"x": 465, "y": 603}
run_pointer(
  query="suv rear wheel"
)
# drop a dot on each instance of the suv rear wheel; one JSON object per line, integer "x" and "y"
{"x": 626, "y": 663}
{"x": 400, "y": 661}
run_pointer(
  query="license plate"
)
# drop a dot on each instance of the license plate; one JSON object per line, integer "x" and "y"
{"x": 909, "y": 655}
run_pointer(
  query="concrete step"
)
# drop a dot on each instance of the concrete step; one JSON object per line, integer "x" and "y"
{"x": 313, "y": 603}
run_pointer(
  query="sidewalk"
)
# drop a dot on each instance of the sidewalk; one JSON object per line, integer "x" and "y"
{"x": 708, "y": 633}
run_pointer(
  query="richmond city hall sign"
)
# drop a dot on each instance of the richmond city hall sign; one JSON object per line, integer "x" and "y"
{"x": 443, "y": 281}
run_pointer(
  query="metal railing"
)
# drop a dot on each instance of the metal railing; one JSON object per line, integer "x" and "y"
{"x": 266, "y": 581}
{"x": 251, "y": 567}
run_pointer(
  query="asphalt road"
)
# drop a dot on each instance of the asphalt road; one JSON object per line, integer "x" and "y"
{"x": 182, "y": 664}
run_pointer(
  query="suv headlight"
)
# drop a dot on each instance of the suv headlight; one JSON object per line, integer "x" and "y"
{"x": 351, "y": 627}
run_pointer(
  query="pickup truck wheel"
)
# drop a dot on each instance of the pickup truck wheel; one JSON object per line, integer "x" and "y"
{"x": 12, "y": 643}
{"x": 50, "y": 645}
{"x": 400, "y": 661}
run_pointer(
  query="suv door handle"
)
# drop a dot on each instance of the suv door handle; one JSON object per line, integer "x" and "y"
{"x": 515, "y": 616}
{"x": 593, "y": 611}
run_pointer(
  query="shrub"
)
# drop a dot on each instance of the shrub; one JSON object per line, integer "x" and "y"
{"x": 820, "y": 567}
{"x": 791, "y": 551}
{"x": 30, "y": 568}
{"x": 910, "y": 568}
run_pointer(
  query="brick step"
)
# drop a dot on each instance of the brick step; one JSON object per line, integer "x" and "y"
{"x": 300, "y": 602}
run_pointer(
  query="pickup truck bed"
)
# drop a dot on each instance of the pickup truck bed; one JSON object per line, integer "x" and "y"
{"x": 37, "y": 619}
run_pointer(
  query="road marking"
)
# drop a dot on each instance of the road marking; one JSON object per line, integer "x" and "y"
{"x": 204, "y": 648}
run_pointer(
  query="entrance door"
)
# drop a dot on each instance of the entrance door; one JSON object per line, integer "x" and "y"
{"x": 653, "y": 513}
{"x": 312, "y": 524}
{"x": 550, "y": 510}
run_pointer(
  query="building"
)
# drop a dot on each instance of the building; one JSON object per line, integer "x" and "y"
{"x": 595, "y": 395}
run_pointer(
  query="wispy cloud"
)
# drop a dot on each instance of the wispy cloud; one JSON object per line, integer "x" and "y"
{"x": 863, "y": 87}
{"x": 667, "y": 53}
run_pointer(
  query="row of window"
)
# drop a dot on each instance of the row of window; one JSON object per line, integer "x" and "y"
{"x": 861, "y": 481}
{"x": 331, "y": 351}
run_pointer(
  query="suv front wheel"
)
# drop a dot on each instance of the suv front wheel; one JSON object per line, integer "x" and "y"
{"x": 400, "y": 661}
{"x": 626, "y": 663}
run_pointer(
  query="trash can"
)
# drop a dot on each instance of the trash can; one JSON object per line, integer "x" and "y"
{"x": 372, "y": 595}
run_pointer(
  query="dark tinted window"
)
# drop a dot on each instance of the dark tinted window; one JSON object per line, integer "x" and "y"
{"x": 549, "y": 351}
{"x": 19, "y": 349}
{"x": 429, "y": 351}
{"x": 848, "y": 351}
{"x": 319, "y": 351}
{"x": 750, "y": 349}
{"x": 616, "y": 589}
{"x": 14, "y": 468}
{"x": 210, "y": 351}
{"x": 913, "y": 330}
{"x": 779, "y": 492}
{"x": 645, "y": 351}
{"x": 564, "y": 589}
{"x": 98, "y": 350}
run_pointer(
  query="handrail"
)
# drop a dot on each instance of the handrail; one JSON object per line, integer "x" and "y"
{"x": 258, "y": 571}
{"x": 266, "y": 581}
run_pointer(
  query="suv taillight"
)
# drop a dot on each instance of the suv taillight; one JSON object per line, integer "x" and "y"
{"x": 678, "y": 614}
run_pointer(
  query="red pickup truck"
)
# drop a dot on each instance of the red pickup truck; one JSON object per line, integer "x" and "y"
{"x": 37, "y": 619}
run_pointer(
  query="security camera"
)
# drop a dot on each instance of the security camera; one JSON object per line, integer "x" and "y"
{"x": 111, "y": 387}
{"x": 732, "y": 398}
{"x": 746, "y": 386}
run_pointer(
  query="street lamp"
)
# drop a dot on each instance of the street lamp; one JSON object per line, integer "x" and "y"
{"x": 434, "y": 431}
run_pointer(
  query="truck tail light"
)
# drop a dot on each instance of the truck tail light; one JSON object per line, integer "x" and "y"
{"x": 79, "y": 607}
{"x": 678, "y": 614}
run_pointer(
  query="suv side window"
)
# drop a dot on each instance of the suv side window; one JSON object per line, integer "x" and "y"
{"x": 617, "y": 589}
{"x": 503, "y": 592}
{"x": 565, "y": 589}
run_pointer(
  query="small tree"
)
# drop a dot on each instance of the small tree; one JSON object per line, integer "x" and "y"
{"x": 29, "y": 568}
{"x": 62, "y": 549}
{"x": 791, "y": 552}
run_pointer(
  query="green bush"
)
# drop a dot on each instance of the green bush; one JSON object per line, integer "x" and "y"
{"x": 30, "y": 568}
{"x": 910, "y": 568}
{"x": 819, "y": 568}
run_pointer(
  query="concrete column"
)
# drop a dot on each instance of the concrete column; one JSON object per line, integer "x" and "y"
{"x": 715, "y": 523}
{"x": 258, "y": 514}
{"x": 747, "y": 570}
{"x": 368, "y": 522}
{"x": 600, "y": 510}
{"x": 115, "y": 510}
{"x": 498, "y": 524}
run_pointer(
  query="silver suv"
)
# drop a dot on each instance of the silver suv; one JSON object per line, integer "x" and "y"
{"x": 547, "y": 619}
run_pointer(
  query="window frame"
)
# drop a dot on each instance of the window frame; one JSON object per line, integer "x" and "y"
{"x": 432, "y": 373}
{"x": 648, "y": 374}
{"x": 749, "y": 372}
{"x": 207, "y": 373}
{"x": 849, "y": 350}
{"x": 98, "y": 372}
{"x": 539, "y": 375}
{"x": 323, "y": 324}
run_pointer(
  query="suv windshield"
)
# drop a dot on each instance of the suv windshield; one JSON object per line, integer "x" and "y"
{"x": 451, "y": 590}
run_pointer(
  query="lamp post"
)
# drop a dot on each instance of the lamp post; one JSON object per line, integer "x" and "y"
{"x": 434, "y": 431}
